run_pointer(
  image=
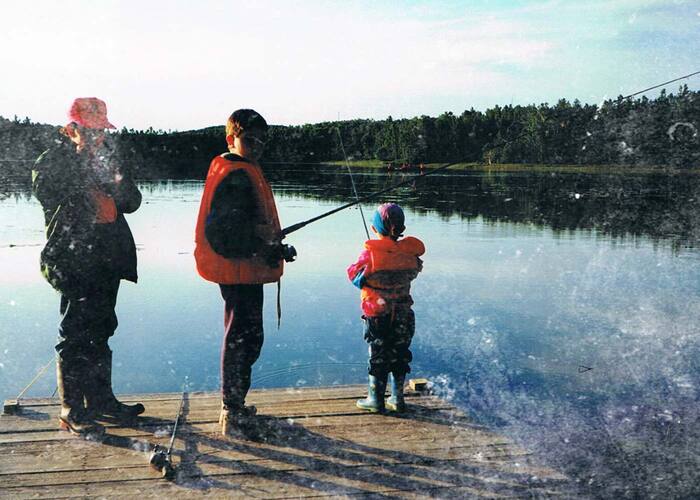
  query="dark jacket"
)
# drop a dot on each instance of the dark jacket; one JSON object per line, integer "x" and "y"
{"x": 230, "y": 227}
{"x": 78, "y": 250}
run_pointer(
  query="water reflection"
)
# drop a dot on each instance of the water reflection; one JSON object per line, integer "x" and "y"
{"x": 662, "y": 207}
{"x": 13, "y": 185}
{"x": 524, "y": 282}
{"x": 657, "y": 206}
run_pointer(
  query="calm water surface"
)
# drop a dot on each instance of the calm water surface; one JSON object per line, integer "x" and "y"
{"x": 561, "y": 309}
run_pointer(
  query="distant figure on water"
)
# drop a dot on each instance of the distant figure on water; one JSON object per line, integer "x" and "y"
{"x": 84, "y": 193}
{"x": 384, "y": 271}
{"x": 238, "y": 246}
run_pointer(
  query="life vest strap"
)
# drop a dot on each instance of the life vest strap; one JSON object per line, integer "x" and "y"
{"x": 279, "y": 303}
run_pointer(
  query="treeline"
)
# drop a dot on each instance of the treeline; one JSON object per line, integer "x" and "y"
{"x": 662, "y": 131}
{"x": 649, "y": 132}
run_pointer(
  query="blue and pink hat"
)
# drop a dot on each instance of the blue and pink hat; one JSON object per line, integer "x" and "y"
{"x": 389, "y": 220}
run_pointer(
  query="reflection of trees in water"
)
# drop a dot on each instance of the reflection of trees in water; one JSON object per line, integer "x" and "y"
{"x": 662, "y": 207}
{"x": 14, "y": 186}
{"x": 658, "y": 206}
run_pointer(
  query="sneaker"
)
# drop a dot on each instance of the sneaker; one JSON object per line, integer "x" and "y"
{"x": 246, "y": 411}
{"x": 240, "y": 423}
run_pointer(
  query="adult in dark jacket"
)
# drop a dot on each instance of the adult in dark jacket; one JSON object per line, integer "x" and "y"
{"x": 85, "y": 193}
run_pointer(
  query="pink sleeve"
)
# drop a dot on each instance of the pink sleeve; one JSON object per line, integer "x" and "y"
{"x": 362, "y": 261}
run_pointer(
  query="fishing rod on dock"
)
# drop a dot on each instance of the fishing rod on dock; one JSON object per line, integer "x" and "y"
{"x": 161, "y": 458}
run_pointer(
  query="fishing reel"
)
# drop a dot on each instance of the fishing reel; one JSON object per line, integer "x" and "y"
{"x": 273, "y": 254}
{"x": 289, "y": 253}
{"x": 160, "y": 461}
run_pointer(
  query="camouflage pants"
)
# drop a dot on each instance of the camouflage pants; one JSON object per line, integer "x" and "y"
{"x": 389, "y": 338}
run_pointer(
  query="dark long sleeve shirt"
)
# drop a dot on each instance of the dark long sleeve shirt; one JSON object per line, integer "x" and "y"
{"x": 78, "y": 248}
{"x": 230, "y": 226}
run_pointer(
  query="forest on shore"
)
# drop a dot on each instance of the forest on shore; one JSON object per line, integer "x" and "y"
{"x": 634, "y": 132}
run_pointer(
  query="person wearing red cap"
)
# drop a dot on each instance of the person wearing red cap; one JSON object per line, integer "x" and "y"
{"x": 84, "y": 193}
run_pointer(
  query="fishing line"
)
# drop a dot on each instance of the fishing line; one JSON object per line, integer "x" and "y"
{"x": 270, "y": 373}
{"x": 352, "y": 181}
{"x": 526, "y": 132}
{"x": 662, "y": 84}
{"x": 13, "y": 406}
{"x": 358, "y": 200}
{"x": 267, "y": 375}
{"x": 295, "y": 227}
{"x": 37, "y": 377}
{"x": 299, "y": 225}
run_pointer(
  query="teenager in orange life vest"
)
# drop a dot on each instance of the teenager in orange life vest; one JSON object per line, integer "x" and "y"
{"x": 384, "y": 271}
{"x": 238, "y": 246}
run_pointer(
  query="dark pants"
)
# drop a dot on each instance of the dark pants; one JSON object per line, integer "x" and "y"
{"x": 389, "y": 339}
{"x": 87, "y": 323}
{"x": 243, "y": 340}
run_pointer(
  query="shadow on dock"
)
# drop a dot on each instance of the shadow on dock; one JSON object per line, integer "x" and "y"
{"x": 310, "y": 442}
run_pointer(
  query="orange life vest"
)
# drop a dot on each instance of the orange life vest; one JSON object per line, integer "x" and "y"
{"x": 214, "y": 267}
{"x": 388, "y": 275}
{"x": 104, "y": 206}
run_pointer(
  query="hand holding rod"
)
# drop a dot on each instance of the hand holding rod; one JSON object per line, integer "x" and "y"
{"x": 299, "y": 225}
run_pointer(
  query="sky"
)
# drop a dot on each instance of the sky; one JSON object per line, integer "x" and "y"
{"x": 182, "y": 65}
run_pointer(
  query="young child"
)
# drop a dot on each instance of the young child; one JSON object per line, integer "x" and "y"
{"x": 384, "y": 272}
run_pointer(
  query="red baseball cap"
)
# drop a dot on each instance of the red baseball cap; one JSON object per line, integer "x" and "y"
{"x": 89, "y": 112}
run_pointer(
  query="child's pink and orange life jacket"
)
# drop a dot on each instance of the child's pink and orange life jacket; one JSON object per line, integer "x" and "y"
{"x": 384, "y": 271}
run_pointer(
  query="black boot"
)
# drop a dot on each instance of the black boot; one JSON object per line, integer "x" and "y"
{"x": 100, "y": 397}
{"x": 74, "y": 417}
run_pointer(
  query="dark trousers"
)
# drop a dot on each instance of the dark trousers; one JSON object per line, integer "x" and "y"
{"x": 243, "y": 340}
{"x": 87, "y": 323}
{"x": 389, "y": 338}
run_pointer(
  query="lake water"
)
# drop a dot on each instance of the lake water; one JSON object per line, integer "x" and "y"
{"x": 561, "y": 309}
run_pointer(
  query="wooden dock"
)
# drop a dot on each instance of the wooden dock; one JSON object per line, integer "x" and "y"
{"x": 314, "y": 443}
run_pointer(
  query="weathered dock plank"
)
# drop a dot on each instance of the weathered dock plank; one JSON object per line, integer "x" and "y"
{"x": 314, "y": 442}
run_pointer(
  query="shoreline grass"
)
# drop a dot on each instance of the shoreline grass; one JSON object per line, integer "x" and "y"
{"x": 533, "y": 167}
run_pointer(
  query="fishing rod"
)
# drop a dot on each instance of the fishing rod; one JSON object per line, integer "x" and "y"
{"x": 299, "y": 225}
{"x": 622, "y": 98}
{"x": 161, "y": 459}
{"x": 352, "y": 181}
{"x": 662, "y": 84}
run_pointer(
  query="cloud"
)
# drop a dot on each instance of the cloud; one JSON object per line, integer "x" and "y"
{"x": 177, "y": 67}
